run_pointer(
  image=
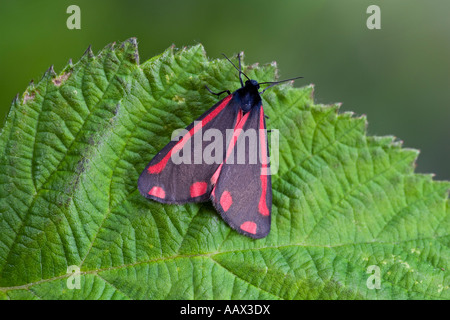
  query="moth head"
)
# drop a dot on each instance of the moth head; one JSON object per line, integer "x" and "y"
{"x": 252, "y": 83}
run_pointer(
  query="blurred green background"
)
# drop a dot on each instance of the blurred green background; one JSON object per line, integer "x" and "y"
{"x": 398, "y": 76}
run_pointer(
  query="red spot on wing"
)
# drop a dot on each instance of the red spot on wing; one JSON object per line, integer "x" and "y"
{"x": 198, "y": 189}
{"x": 158, "y": 167}
{"x": 226, "y": 200}
{"x": 249, "y": 226}
{"x": 157, "y": 192}
{"x": 262, "y": 206}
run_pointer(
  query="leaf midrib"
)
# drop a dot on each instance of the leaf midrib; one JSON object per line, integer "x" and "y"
{"x": 215, "y": 253}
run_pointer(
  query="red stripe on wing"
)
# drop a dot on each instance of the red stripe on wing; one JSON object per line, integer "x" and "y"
{"x": 240, "y": 121}
{"x": 262, "y": 206}
{"x": 158, "y": 167}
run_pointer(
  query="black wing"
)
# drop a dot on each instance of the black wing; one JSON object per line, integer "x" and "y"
{"x": 167, "y": 180}
{"x": 243, "y": 191}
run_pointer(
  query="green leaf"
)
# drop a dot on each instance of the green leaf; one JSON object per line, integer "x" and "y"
{"x": 74, "y": 144}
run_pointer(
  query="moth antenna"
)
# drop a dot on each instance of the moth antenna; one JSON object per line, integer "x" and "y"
{"x": 277, "y": 82}
{"x": 238, "y": 69}
{"x": 274, "y": 83}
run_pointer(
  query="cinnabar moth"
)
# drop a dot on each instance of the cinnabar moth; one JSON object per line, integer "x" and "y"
{"x": 241, "y": 191}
